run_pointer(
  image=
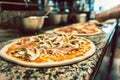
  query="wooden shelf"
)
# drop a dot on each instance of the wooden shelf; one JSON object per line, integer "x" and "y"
{"x": 18, "y": 6}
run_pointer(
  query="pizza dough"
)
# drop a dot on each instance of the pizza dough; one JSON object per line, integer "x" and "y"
{"x": 47, "y": 50}
{"x": 79, "y": 29}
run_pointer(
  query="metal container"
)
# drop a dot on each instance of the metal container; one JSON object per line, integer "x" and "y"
{"x": 31, "y": 23}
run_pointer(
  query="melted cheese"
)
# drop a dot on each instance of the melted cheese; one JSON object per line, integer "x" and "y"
{"x": 60, "y": 45}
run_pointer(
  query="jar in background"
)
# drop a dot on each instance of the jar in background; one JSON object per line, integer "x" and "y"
{"x": 64, "y": 18}
{"x": 55, "y": 18}
{"x": 81, "y": 17}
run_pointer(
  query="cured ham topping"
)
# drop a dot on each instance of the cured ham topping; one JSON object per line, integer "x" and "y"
{"x": 58, "y": 50}
{"x": 68, "y": 29}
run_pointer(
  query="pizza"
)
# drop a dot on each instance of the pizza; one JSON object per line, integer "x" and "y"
{"x": 79, "y": 29}
{"x": 46, "y": 50}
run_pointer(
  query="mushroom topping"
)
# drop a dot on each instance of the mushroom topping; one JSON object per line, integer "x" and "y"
{"x": 35, "y": 39}
{"x": 74, "y": 46}
{"x": 33, "y": 54}
{"x": 18, "y": 53}
{"x": 29, "y": 54}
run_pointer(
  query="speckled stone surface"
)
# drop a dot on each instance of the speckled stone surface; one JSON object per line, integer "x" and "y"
{"x": 82, "y": 70}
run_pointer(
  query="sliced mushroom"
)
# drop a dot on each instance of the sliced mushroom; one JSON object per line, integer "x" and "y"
{"x": 18, "y": 53}
{"x": 33, "y": 55}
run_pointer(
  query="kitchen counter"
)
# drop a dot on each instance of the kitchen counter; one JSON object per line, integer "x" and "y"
{"x": 83, "y": 70}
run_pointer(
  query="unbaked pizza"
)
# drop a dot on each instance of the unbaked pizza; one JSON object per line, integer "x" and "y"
{"x": 45, "y": 50}
{"x": 79, "y": 29}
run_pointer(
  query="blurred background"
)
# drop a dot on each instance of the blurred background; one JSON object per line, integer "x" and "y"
{"x": 14, "y": 13}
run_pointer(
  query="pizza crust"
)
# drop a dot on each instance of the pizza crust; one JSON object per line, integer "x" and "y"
{"x": 46, "y": 64}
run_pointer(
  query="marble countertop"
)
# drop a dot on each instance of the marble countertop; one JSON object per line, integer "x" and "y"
{"x": 82, "y": 70}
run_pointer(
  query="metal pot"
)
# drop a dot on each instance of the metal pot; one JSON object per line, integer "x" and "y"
{"x": 31, "y": 23}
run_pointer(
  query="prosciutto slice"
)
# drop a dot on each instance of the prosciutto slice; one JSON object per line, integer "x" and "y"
{"x": 56, "y": 50}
